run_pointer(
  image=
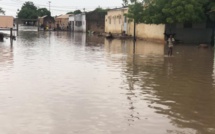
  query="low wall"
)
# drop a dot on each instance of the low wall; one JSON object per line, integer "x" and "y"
{"x": 150, "y": 32}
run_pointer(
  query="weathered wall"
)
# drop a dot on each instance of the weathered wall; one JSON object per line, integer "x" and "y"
{"x": 95, "y": 21}
{"x": 148, "y": 31}
{"x": 199, "y": 33}
{"x": 115, "y": 22}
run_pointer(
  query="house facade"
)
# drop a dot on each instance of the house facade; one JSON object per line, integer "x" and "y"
{"x": 62, "y": 22}
{"x": 47, "y": 21}
{"x": 117, "y": 23}
{"x": 89, "y": 22}
{"x": 78, "y": 22}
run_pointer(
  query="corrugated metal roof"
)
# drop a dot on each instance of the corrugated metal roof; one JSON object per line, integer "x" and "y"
{"x": 6, "y": 21}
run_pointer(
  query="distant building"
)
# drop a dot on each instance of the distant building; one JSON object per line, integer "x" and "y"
{"x": 117, "y": 23}
{"x": 62, "y": 22}
{"x": 95, "y": 21}
{"x": 90, "y": 22}
{"x": 47, "y": 21}
{"x": 78, "y": 22}
{"x": 6, "y": 22}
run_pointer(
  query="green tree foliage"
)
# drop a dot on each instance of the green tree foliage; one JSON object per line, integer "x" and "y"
{"x": 135, "y": 11}
{"x": 70, "y": 12}
{"x": 77, "y": 12}
{"x": 28, "y": 11}
{"x": 173, "y": 11}
{"x": 210, "y": 10}
{"x": 43, "y": 11}
{"x": 101, "y": 11}
{"x": 2, "y": 11}
{"x": 125, "y": 3}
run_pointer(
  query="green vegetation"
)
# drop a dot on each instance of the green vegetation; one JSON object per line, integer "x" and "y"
{"x": 173, "y": 11}
{"x": 70, "y": 12}
{"x": 2, "y": 11}
{"x": 125, "y": 3}
{"x": 75, "y": 12}
{"x": 135, "y": 11}
{"x": 30, "y": 11}
{"x": 170, "y": 11}
{"x": 101, "y": 12}
{"x": 43, "y": 11}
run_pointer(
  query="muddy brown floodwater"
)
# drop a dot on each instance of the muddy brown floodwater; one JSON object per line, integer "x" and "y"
{"x": 65, "y": 83}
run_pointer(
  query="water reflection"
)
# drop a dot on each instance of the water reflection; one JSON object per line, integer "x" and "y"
{"x": 59, "y": 82}
{"x": 6, "y": 54}
{"x": 141, "y": 47}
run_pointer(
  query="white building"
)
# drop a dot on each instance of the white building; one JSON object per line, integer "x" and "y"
{"x": 78, "y": 22}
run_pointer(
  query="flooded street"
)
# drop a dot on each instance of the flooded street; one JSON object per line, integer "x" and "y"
{"x": 65, "y": 83}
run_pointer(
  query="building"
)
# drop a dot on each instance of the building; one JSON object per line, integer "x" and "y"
{"x": 78, "y": 22}
{"x": 62, "y": 22}
{"x": 88, "y": 22}
{"x": 95, "y": 21}
{"x": 117, "y": 23}
{"x": 6, "y": 22}
{"x": 46, "y": 21}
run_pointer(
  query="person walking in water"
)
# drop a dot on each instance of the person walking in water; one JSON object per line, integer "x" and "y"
{"x": 170, "y": 42}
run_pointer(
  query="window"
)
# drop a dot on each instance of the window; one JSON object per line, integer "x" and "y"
{"x": 109, "y": 20}
{"x": 119, "y": 20}
{"x": 78, "y": 23}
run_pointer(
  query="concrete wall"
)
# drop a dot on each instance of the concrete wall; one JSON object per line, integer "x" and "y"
{"x": 95, "y": 21}
{"x": 148, "y": 31}
{"x": 197, "y": 34}
{"x": 115, "y": 23}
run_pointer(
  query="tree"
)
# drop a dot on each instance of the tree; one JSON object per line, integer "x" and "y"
{"x": 101, "y": 11}
{"x": 43, "y": 11}
{"x": 173, "y": 11}
{"x": 77, "y": 12}
{"x": 70, "y": 12}
{"x": 28, "y": 11}
{"x": 2, "y": 11}
{"x": 210, "y": 11}
{"x": 135, "y": 13}
{"x": 125, "y": 3}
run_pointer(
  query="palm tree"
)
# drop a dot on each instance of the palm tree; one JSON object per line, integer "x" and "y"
{"x": 2, "y": 11}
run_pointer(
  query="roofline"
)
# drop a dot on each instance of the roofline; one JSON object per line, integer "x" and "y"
{"x": 118, "y": 8}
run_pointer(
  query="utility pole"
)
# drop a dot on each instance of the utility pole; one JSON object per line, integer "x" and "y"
{"x": 135, "y": 25}
{"x": 49, "y": 6}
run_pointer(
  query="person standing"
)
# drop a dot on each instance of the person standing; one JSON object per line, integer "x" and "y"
{"x": 170, "y": 42}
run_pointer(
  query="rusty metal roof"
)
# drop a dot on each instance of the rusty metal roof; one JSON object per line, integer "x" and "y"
{"x": 6, "y": 21}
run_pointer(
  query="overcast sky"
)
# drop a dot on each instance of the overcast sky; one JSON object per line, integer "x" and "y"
{"x": 59, "y": 6}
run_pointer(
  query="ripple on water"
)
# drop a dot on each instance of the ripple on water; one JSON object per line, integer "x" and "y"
{"x": 59, "y": 82}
